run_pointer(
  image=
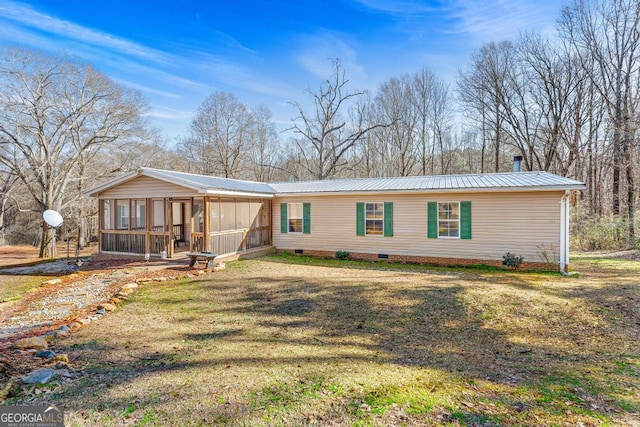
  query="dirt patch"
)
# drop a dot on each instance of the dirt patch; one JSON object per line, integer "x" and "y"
{"x": 630, "y": 255}
{"x": 23, "y": 254}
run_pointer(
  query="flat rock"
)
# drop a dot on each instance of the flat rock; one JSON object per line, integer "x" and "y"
{"x": 217, "y": 269}
{"x": 144, "y": 280}
{"x": 126, "y": 291}
{"x": 61, "y": 358}
{"x": 131, "y": 285}
{"x": 51, "y": 282}
{"x": 75, "y": 325}
{"x": 46, "y": 354}
{"x": 107, "y": 306}
{"x": 115, "y": 301}
{"x": 39, "y": 343}
{"x": 41, "y": 376}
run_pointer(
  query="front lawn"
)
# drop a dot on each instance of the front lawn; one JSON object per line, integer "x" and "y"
{"x": 266, "y": 342}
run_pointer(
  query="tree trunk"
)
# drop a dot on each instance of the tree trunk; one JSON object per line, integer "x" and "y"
{"x": 3, "y": 231}
{"x": 48, "y": 242}
{"x": 82, "y": 230}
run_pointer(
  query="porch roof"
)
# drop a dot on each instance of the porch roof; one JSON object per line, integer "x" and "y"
{"x": 201, "y": 183}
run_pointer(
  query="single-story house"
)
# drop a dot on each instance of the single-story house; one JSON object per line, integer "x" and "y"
{"x": 451, "y": 219}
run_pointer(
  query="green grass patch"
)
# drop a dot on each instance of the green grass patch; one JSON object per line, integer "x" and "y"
{"x": 302, "y": 259}
{"x": 13, "y": 288}
{"x": 294, "y": 340}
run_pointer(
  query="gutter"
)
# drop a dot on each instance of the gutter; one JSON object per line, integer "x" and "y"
{"x": 564, "y": 233}
{"x": 429, "y": 191}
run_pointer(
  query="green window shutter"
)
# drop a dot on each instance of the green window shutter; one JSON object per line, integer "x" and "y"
{"x": 360, "y": 219}
{"x": 284, "y": 218}
{"x": 465, "y": 220}
{"x": 306, "y": 218}
{"x": 432, "y": 220}
{"x": 388, "y": 219}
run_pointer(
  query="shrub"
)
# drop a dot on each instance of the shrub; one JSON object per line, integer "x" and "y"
{"x": 599, "y": 232}
{"x": 512, "y": 260}
{"x": 342, "y": 254}
{"x": 548, "y": 254}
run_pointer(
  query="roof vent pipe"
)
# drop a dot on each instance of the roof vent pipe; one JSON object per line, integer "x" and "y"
{"x": 517, "y": 161}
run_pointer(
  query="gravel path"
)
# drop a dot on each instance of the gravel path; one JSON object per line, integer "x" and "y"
{"x": 60, "y": 304}
{"x": 54, "y": 267}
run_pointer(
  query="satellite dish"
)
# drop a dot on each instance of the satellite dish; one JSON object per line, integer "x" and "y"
{"x": 53, "y": 218}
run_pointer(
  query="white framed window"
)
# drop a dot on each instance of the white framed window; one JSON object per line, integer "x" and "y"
{"x": 122, "y": 216}
{"x": 374, "y": 219}
{"x": 138, "y": 214}
{"x": 198, "y": 215}
{"x": 295, "y": 217}
{"x": 107, "y": 214}
{"x": 449, "y": 219}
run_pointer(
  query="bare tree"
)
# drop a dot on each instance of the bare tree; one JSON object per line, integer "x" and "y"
{"x": 393, "y": 105}
{"x": 325, "y": 136}
{"x": 8, "y": 181}
{"x": 608, "y": 31}
{"x": 54, "y": 111}
{"x": 264, "y": 150}
{"x": 422, "y": 84}
{"x": 220, "y": 137}
{"x": 482, "y": 90}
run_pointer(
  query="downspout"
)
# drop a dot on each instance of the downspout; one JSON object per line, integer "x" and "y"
{"x": 564, "y": 233}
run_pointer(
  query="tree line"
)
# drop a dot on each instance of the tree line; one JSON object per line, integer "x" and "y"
{"x": 568, "y": 104}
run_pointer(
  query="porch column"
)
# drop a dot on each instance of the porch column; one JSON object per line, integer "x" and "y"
{"x": 148, "y": 214}
{"x": 171, "y": 236}
{"x": 206, "y": 228}
{"x": 564, "y": 233}
{"x": 191, "y": 227}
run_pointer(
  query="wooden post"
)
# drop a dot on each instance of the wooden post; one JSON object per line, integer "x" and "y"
{"x": 191, "y": 228}
{"x": 171, "y": 236}
{"x": 270, "y": 222}
{"x": 206, "y": 227}
{"x": 100, "y": 223}
{"x": 147, "y": 226}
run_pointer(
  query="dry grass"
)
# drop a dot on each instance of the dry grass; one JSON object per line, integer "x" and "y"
{"x": 267, "y": 342}
{"x": 13, "y": 288}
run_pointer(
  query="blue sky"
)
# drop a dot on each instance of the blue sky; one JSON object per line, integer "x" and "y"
{"x": 179, "y": 52}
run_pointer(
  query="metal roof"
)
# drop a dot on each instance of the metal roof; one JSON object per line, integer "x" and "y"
{"x": 199, "y": 183}
{"x": 514, "y": 181}
{"x": 209, "y": 183}
{"x": 511, "y": 181}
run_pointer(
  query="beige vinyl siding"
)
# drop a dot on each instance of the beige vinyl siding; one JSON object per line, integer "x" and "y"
{"x": 145, "y": 186}
{"x": 501, "y": 222}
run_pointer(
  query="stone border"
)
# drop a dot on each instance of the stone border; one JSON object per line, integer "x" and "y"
{"x": 58, "y": 365}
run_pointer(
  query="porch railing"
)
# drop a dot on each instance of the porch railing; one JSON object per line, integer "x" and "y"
{"x": 129, "y": 242}
{"x": 225, "y": 242}
{"x": 134, "y": 242}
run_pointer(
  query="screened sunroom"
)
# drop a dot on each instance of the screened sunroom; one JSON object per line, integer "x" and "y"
{"x": 165, "y": 213}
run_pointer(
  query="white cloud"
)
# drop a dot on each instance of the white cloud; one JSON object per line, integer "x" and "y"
{"x": 397, "y": 7}
{"x": 149, "y": 90}
{"x": 217, "y": 69}
{"x": 29, "y": 17}
{"x": 160, "y": 112}
{"x": 317, "y": 52}
{"x": 191, "y": 70}
{"x": 501, "y": 19}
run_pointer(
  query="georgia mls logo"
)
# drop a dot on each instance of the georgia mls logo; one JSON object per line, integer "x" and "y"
{"x": 53, "y": 408}
{"x": 31, "y": 416}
